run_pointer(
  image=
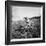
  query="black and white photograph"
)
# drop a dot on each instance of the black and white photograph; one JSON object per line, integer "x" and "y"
{"x": 25, "y": 22}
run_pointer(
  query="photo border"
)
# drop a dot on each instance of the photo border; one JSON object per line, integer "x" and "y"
{"x": 8, "y": 20}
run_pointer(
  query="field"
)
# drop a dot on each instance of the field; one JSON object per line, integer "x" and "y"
{"x": 26, "y": 28}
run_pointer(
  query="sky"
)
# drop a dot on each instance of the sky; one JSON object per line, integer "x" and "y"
{"x": 18, "y": 12}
